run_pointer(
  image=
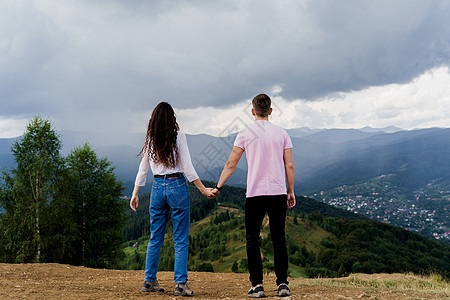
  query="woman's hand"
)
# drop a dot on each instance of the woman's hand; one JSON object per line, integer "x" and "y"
{"x": 134, "y": 202}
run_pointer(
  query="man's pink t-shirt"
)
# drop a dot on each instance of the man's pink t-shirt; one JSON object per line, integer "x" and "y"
{"x": 264, "y": 145}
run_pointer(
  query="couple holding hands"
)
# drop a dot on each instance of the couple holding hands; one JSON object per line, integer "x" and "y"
{"x": 270, "y": 189}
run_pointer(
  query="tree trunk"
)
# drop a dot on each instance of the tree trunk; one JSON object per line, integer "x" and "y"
{"x": 83, "y": 237}
{"x": 38, "y": 237}
{"x": 38, "y": 234}
{"x": 83, "y": 232}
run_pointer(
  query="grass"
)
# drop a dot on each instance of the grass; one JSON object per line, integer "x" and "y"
{"x": 432, "y": 284}
{"x": 306, "y": 235}
{"x": 296, "y": 271}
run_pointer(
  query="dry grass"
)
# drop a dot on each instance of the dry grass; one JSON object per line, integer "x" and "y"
{"x": 432, "y": 284}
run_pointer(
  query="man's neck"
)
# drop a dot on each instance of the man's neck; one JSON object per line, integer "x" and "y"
{"x": 258, "y": 118}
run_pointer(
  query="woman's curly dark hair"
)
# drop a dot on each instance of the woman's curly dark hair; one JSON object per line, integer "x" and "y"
{"x": 161, "y": 139}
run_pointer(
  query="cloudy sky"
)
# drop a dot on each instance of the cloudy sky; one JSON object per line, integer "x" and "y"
{"x": 103, "y": 65}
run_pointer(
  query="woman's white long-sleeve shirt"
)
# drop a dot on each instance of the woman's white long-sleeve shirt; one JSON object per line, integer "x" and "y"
{"x": 184, "y": 164}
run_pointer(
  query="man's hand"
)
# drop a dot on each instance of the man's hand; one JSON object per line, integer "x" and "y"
{"x": 290, "y": 200}
{"x": 134, "y": 202}
{"x": 215, "y": 192}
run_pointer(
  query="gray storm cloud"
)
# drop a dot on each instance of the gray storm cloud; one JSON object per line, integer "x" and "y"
{"x": 91, "y": 59}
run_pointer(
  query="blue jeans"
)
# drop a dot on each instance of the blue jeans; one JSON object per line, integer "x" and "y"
{"x": 168, "y": 195}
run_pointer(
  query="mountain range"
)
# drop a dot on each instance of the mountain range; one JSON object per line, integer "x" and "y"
{"x": 324, "y": 158}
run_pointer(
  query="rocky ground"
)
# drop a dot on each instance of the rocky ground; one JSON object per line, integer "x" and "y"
{"x": 56, "y": 281}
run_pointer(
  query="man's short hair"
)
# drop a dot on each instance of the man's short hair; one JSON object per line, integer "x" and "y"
{"x": 261, "y": 104}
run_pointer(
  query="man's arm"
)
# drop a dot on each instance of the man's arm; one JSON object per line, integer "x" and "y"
{"x": 290, "y": 176}
{"x": 229, "y": 167}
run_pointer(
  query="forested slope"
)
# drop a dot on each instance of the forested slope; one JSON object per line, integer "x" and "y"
{"x": 320, "y": 240}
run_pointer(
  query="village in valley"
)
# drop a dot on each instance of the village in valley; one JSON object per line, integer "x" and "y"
{"x": 425, "y": 211}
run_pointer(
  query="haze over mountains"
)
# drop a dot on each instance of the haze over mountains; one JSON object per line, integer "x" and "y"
{"x": 324, "y": 158}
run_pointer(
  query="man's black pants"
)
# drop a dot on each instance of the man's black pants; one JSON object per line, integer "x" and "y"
{"x": 255, "y": 210}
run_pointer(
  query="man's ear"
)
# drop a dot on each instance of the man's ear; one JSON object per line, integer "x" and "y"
{"x": 270, "y": 111}
{"x": 253, "y": 112}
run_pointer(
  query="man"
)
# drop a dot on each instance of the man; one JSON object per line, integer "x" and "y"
{"x": 268, "y": 150}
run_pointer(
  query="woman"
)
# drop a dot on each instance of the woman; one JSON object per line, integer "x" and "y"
{"x": 165, "y": 150}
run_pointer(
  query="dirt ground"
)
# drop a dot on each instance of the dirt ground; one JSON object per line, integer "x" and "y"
{"x": 56, "y": 281}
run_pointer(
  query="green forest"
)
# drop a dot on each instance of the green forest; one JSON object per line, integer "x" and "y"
{"x": 71, "y": 210}
{"x": 60, "y": 209}
{"x": 322, "y": 241}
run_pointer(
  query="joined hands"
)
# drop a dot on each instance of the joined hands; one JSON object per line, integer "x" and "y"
{"x": 210, "y": 193}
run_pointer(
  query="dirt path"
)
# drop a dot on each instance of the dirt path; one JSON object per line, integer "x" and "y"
{"x": 55, "y": 281}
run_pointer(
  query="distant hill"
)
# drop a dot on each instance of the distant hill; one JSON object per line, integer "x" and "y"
{"x": 416, "y": 158}
{"x": 338, "y": 136}
{"x": 389, "y": 129}
{"x": 302, "y": 131}
{"x": 323, "y": 158}
{"x": 305, "y": 131}
{"x": 6, "y": 157}
{"x": 230, "y": 196}
{"x": 235, "y": 197}
{"x": 318, "y": 245}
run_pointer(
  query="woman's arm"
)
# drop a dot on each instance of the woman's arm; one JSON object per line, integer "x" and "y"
{"x": 144, "y": 165}
{"x": 141, "y": 178}
{"x": 185, "y": 158}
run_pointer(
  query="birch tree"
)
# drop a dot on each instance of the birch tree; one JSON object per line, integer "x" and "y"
{"x": 30, "y": 189}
